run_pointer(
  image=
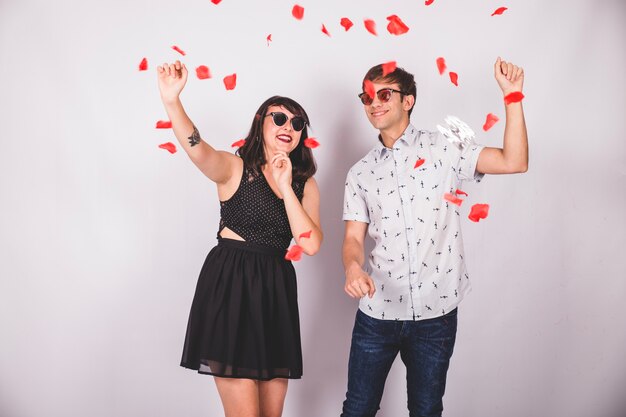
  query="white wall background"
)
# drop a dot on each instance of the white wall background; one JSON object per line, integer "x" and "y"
{"x": 102, "y": 234}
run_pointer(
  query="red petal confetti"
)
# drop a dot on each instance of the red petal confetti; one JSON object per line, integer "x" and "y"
{"x": 169, "y": 146}
{"x": 238, "y": 144}
{"x": 428, "y": 2}
{"x": 419, "y": 163}
{"x": 479, "y": 211}
{"x": 164, "y": 124}
{"x": 461, "y": 192}
{"x": 454, "y": 77}
{"x": 513, "y": 97}
{"x": 294, "y": 253}
{"x": 311, "y": 143}
{"x": 499, "y": 11}
{"x": 305, "y": 235}
{"x": 389, "y": 67}
{"x": 216, "y": 1}
{"x": 441, "y": 65}
{"x": 452, "y": 199}
{"x": 177, "y": 49}
{"x": 203, "y": 72}
{"x": 369, "y": 88}
{"x": 298, "y": 12}
{"x": 143, "y": 65}
{"x": 230, "y": 81}
{"x": 346, "y": 23}
{"x": 370, "y": 25}
{"x": 491, "y": 120}
{"x": 269, "y": 39}
{"x": 396, "y": 26}
{"x": 325, "y": 31}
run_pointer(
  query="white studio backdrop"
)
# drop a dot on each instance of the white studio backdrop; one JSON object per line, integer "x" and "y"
{"x": 102, "y": 234}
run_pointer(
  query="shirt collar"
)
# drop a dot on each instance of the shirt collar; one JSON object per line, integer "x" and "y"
{"x": 406, "y": 140}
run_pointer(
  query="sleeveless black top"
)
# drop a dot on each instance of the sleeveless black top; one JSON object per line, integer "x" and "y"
{"x": 256, "y": 214}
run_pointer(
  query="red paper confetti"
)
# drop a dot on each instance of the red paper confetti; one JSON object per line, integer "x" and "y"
{"x": 428, "y": 2}
{"x": 499, "y": 11}
{"x": 203, "y": 72}
{"x": 369, "y": 88}
{"x": 454, "y": 77}
{"x": 479, "y": 211}
{"x": 238, "y": 144}
{"x": 164, "y": 124}
{"x": 419, "y": 163}
{"x": 513, "y": 97}
{"x": 389, "y": 67}
{"x": 216, "y": 1}
{"x": 370, "y": 25}
{"x": 325, "y": 31}
{"x": 177, "y": 49}
{"x": 461, "y": 192}
{"x": 298, "y": 12}
{"x": 143, "y": 65}
{"x": 452, "y": 199}
{"x": 269, "y": 39}
{"x": 441, "y": 65}
{"x": 305, "y": 235}
{"x": 294, "y": 253}
{"x": 491, "y": 120}
{"x": 169, "y": 146}
{"x": 396, "y": 26}
{"x": 346, "y": 23}
{"x": 311, "y": 143}
{"x": 230, "y": 81}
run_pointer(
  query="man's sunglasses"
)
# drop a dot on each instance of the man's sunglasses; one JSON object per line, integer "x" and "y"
{"x": 297, "y": 123}
{"x": 384, "y": 95}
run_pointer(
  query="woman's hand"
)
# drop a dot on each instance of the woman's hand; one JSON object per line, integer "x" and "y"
{"x": 281, "y": 171}
{"x": 172, "y": 80}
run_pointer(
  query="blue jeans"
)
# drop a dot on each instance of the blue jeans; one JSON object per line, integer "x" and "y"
{"x": 425, "y": 347}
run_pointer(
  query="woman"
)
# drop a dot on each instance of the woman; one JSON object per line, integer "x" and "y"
{"x": 243, "y": 327}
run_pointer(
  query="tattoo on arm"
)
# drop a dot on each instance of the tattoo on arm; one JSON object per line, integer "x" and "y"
{"x": 194, "y": 139}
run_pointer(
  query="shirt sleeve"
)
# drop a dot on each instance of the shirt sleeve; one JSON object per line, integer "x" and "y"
{"x": 466, "y": 164}
{"x": 354, "y": 204}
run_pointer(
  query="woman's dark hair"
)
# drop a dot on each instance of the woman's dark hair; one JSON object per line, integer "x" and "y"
{"x": 253, "y": 153}
{"x": 405, "y": 80}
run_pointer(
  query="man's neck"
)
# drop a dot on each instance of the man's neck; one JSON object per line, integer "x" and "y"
{"x": 393, "y": 133}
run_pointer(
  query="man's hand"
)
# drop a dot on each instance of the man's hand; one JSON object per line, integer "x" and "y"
{"x": 510, "y": 77}
{"x": 358, "y": 283}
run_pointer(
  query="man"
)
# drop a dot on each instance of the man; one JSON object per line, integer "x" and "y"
{"x": 417, "y": 278}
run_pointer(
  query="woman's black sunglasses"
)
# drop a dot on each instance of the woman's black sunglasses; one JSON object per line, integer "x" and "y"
{"x": 297, "y": 123}
{"x": 384, "y": 95}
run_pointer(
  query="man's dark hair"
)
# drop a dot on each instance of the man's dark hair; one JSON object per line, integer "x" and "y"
{"x": 405, "y": 80}
{"x": 253, "y": 152}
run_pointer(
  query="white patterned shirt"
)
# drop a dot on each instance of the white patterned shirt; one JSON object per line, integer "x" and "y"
{"x": 417, "y": 263}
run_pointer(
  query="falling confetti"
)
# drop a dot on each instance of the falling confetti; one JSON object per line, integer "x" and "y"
{"x": 389, "y": 67}
{"x": 441, "y": 65}
{"x": 513, "y": 97}
{"x": 298, "y": 12}
{"x": 311, "y": 143}
{"x": 269, "y": 39}
{"x": 454, "y": 77}
{"x": 370, "y": 89}
{"x": 230, "y": 81}
{"x": 370, "y": 25}
{"x": 419, "y": 163}
{"x": 491, "y": 120}
{"x": 461, "y": 192}
{"x": 325, "y": 31}
{"x": 428, "y": 2}
{"x": 168, "y": 146}
{"x": 177, "y": 49}
{"x": 238, "y": 143}
{"x": 163, "y": 124}
{"x": 143, "y": 65}
{"x": 346, "y": 23}
{"x": 479, "y": 211}
{"x": 216, "y": 1}
{"x": 305, "y": 235}
{"x": 396, "y": 26}
{"x": 452, "y": 199}
{"x": 294, "y": 253}
{"x": 499, "y": 11}
{"x": 203, "y": 72}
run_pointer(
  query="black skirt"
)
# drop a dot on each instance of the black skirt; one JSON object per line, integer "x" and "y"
{"x": 244, "y": 320}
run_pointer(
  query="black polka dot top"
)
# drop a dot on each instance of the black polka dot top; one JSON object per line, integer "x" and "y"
{"x": 256, "y": 214}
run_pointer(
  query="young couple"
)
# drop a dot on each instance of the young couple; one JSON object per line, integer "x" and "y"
{"x": 244, "y": 327}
